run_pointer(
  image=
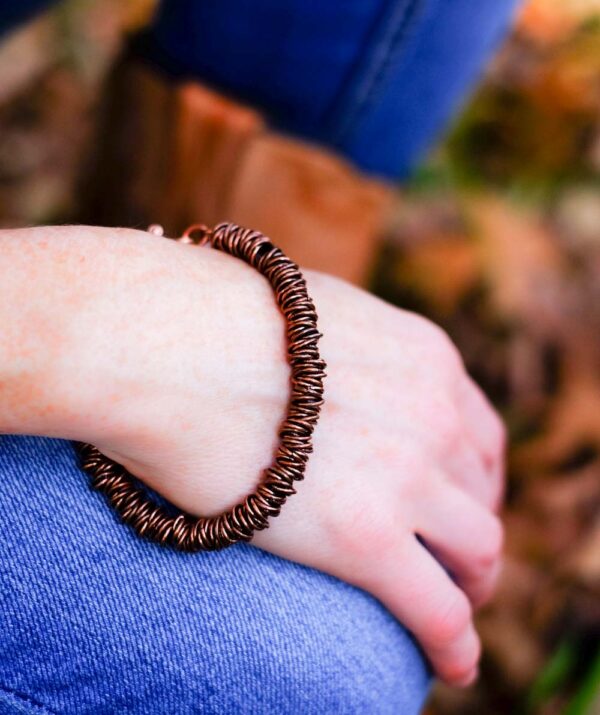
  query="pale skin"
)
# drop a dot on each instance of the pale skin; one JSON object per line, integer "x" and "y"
{"x": 171, "y": 359}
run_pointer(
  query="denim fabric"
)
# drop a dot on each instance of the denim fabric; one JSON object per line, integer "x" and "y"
{"x": 377, "y": 80}
{"x": 95, "y": 620}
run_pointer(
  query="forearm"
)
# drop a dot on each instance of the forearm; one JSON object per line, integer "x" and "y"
{"x": 42, "y": 282}
{"x": 87, "y": 311}
{"x": 69, "y": 298}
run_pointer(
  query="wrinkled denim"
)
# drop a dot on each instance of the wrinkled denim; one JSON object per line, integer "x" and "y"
{"x": 95, "y": 620}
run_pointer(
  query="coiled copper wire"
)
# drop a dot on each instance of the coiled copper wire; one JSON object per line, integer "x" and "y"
{"x": 181, "y": 530}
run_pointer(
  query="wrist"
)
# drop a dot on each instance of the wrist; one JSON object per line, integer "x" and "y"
{"x": 193, "y": 404}
{"x": 177, "y": 370}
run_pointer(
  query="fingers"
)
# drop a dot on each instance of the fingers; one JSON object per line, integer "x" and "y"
{"x": 417, "y": 590}
{"x": 465, "y": 536}
{"x": 487, "y": 433}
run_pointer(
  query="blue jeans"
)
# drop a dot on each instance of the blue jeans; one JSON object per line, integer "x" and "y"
{"x": 95, "y": 620}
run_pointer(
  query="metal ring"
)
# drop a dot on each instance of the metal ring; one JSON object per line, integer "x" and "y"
{"x": 189, "y": 237}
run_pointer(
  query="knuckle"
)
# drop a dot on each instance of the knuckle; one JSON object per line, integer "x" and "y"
{"x": 443, "y": 348}
{"x": 497, "y": 432}
{"x": 360, "y": 530}
{"x": 446, "y": 424}
{"x": 482, "y": 596}
{"x": 451, "y": 621}
{"x": 491, "y": 543}
{"x": 486, "y": 592}
{"x": 500, "y": 433}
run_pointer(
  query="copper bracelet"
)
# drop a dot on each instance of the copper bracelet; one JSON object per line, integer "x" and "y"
{"x": 181, "y": 530}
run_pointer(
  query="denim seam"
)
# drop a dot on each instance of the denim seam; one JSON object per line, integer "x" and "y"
{"x": 376, "y": 73}
{"x": 22, "y": 701}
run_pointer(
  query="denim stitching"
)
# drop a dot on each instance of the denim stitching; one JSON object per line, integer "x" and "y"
{"x": 386, "y": 52}
{"x": 23, "y": 702}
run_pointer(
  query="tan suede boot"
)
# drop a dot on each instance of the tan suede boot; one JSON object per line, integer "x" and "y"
{"x": 178, "y": 154}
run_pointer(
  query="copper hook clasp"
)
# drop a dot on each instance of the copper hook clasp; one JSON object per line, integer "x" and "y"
{"x": 197, "y": 233}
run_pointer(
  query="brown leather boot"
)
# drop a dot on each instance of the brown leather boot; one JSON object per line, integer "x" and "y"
{"x": 178, "y": 154}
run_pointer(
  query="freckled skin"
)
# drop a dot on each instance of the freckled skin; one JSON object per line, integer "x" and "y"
{"x": 172, "y": 360}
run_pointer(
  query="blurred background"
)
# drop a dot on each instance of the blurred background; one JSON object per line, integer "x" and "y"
{"x": 497, "y": 238}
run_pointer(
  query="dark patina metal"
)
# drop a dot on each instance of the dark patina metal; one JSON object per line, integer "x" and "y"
{"x": 184, "y": 531}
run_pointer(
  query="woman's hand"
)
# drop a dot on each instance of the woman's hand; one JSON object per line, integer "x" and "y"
{"x": 173, "y": 363}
